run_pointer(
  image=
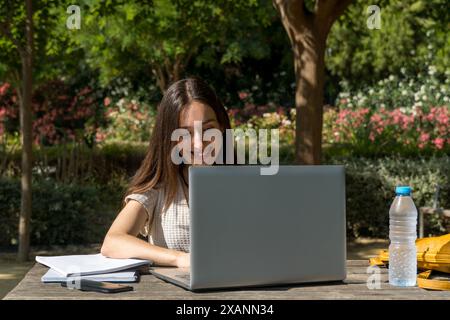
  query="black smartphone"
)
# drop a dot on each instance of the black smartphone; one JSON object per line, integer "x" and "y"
{"x": 98, "y": 286}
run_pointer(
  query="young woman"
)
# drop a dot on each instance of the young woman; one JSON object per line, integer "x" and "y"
{"x": 156, "y": 204}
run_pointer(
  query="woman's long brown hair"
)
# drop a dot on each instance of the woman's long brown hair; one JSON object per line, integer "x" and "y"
{"x": 157, "y": 169}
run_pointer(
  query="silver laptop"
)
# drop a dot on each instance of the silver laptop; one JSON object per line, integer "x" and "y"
{"x": 249, "y": 229}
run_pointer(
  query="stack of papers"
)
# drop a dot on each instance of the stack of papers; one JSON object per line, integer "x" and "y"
{"x": 92, "y": 266}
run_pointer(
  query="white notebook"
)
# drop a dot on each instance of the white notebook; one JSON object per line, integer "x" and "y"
{"x": 124, "y": 276}
{"x": 89, "y": 264}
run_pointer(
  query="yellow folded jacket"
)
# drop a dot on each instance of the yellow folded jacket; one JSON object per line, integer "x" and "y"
{"x": 433, "y": 254}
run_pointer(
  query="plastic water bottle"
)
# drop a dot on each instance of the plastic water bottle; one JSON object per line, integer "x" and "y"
{"x": 402, "y": 235}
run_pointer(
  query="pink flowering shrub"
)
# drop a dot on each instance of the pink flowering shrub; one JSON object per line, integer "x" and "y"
{"x": 240, "y": 116}
{"x": 388, "y": 130}
{"x": 266, "y": 117}
{"x": 8, "y": 110}
{"x": 361, "y": 131}
{"x": 60, "y": 113}
{"x": 129, "y": 120}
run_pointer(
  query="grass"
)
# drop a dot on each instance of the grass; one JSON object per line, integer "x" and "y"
{"x": 11, "y": 272}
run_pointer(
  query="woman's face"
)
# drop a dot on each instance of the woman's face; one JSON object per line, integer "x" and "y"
{"x": 205, "y": 115}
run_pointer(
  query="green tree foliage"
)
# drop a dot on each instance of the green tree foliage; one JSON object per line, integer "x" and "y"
{"x": 160, "y": 38}
{"x": 53, "y": 57}
{"x": 413, "y": 35}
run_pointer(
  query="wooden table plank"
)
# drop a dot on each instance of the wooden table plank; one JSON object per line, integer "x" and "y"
{"x": 150, "y": 288}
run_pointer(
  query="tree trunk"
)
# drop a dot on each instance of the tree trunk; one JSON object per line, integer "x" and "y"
{"x": 308, "y": 31}
{"x": 309, "y": 51}
{"x": 171, "y": 71}
{"x": 26, "y": 137}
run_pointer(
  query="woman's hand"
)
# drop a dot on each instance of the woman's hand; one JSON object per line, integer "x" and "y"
{"x": 183, "y": 260}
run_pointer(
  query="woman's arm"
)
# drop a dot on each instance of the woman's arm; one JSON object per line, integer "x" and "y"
{"x": 121, "y": 240}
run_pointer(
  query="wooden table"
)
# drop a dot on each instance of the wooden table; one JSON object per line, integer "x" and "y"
{"x": 150, "y": 287}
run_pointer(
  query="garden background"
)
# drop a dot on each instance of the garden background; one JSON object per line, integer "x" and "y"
{"x": 96, "y": 89}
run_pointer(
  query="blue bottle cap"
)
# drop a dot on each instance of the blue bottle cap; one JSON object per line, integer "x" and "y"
{"x": 403, "y": 190}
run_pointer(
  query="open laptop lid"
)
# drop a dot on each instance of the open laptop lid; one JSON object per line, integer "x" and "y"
{"x": 248, "y": 229}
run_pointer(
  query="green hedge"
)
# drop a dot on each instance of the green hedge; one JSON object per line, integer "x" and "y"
{"x": 76, "y": 214}
{"x": 61, "y": 214}
{"x": 370, "y": 185}
{"x": 99, "y": 165}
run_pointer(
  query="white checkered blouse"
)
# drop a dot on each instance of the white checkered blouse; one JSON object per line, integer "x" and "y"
{"x": 169, "y": 229}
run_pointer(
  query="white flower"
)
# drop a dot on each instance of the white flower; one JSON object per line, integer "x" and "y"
{"x": 404, "y": 92}
{"x": 391, "y": 78}
{"x": 266, "y": 115}
{"x": 445, "y": 99}
{"x": 371, "y": 91}
{"x": 431, "y": 69}
{"x": 362, "y": 101}
{"x": 424, "y": 98}
{"x": 422, "y": 88}
{"x": 382, "y": 105}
